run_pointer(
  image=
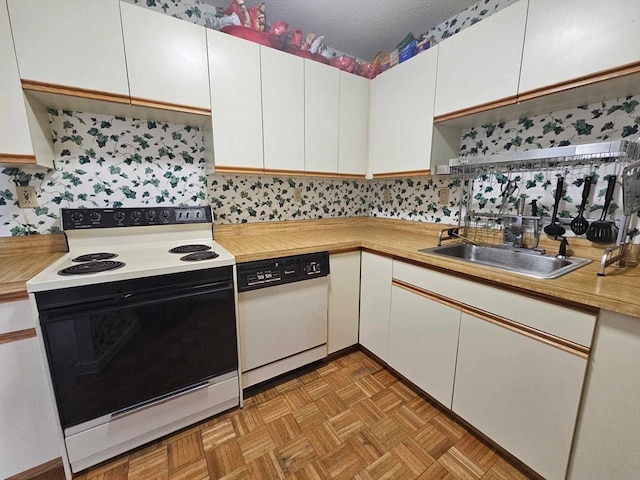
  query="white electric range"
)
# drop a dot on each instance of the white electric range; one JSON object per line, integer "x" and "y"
{"x": 138, "y": 327}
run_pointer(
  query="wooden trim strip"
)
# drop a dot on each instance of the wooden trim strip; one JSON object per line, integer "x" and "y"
{"x": 551, "y": 340}
{"x": 273, "y": 171}
{"x": 477, "y": 109}
{"x": 17, "y": 335}
{"x": 16, "y": 158}
{"x": 242, "y": 170}
{"x": 424, "y": 293}
{"x": 344, "y": 250}
{"x": 74, "y": 91}
{"x": 408, "y": 173}
{"x": 333, "y": 174}
{"x": 297, "y": 173}
{"x": 14, "y": 296}
{"x": 604, "y": 75}
{"x": 38, "y": 470}
{"x": 176, "y": 107}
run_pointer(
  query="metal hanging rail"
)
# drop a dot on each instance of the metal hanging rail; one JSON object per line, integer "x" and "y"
{"x": 543, "y": 158}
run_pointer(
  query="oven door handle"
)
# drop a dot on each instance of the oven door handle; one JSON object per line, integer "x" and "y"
{"x": 128, "y": 300}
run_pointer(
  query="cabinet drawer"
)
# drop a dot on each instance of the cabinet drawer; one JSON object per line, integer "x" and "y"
{"x": 107, "y": 440}
{"x": 563, "y": 322}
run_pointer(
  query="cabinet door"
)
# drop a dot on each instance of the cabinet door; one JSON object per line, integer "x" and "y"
{"x": 282, "y": 110}
{"x": 423, "y": 342}
{"x": 353, "y": 133}
{"x": 321, "y": 102}
{"x": 15, "y": 140}
{"x": 236, "y": 101}
{"x": 520, "y": 392}
{"x": 70, "y": 43}
{"x": 402, "y": 116}
{"x": 28, "y": 433}
{"x": 166, "y": 60}
{"x": 375, "y": 302}
{"x": 344, "y": 300}
{"x": 573, "y": 38}
{"x": 482, "y": 63}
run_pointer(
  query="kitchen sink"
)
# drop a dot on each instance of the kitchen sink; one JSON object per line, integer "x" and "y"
{"x": 524, "y": 262}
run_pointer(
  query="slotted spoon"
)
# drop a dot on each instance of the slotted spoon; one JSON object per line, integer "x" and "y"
{"x": 579, "y": 225}
{"x": 602, "y": 231}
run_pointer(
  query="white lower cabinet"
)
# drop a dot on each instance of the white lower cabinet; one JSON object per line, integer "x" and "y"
{"x": 423, "y": 340}
{"x": 28, "y": 433}
{"x": 375, "y": 302}
{"x": 344, "y": 300}
{"x": 485, "y": 353}
{"x": 520, "y": 392}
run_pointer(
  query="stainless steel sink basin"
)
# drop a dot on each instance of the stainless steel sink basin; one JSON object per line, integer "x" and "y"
{"x": 529, "y": 263}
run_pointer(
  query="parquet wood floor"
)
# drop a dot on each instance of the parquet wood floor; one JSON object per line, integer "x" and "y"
{"x": 349, "y": 418}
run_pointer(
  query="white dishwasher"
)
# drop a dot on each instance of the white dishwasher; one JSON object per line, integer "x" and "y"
{"x": 282, "y": 313}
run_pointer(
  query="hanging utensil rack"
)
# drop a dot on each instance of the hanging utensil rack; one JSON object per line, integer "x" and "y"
{"x": 487, "y": 227}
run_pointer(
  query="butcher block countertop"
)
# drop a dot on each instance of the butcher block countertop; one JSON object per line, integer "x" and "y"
{"x": 23, "y": 257}
{"x": 619, "y": 291}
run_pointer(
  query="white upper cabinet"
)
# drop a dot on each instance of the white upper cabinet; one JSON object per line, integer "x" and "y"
{"x": 282, "y": 110}
{"x": 321, "y": 107}
{"x": 236, "y": 101}
{"x": 15, "y": 140}
{"x": 72, "y": 43}
{"x": 166, "y": 60}
{"x": 482, "y": 63}
{"x": 353, "y": 133}
{"x": 402, "y": 116}
{"x": 575, "y": 38}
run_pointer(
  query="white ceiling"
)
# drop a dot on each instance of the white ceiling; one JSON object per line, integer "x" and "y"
{"x": 359, "y": 27}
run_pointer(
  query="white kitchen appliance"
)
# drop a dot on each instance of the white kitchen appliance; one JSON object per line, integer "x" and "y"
{"x": 282, "y": 313}
{"x": 138, "y": 327}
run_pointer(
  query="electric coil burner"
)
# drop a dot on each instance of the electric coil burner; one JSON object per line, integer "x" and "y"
{"x": 197, "y": 256}
{"x": 148, "y": 345}
{"x": 91, "y": 257}
{"x": 189, "y": 248}
{"x": 91, "y": 267}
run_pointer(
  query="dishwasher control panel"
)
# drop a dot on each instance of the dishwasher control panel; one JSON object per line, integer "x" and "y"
{"x": 278, "y": 271}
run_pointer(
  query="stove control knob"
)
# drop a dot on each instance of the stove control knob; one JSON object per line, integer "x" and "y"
{"x": 119, "y": 216}
{"x": 135, "y": 215}
{"x": 165, "y": 215}
{"x": 95, "y": 216}
{"x": 76, "y": 217}
{"x": 151, "y": 215}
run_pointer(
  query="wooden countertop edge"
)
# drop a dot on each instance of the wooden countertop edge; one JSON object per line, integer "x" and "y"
{"x": 16, "y": 290}
{"x": 566, "y": 296}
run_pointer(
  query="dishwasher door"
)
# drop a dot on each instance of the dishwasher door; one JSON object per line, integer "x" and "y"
{"x": 280, "y": 321}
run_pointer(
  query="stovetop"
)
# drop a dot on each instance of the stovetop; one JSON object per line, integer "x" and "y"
{"x": 143, "y": 247}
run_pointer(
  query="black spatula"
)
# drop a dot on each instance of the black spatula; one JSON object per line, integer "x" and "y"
{"x": 579, "y": 225}
{"x": 553, "y": 229}
{"x": 601, "y": 231}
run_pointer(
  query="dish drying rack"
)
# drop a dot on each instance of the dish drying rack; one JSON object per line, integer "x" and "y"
{"x": 493, "y": 227}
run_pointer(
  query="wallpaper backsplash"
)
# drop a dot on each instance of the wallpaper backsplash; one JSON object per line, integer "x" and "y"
{"x": 106, "y": 161}
{"x": 611, "y": 120}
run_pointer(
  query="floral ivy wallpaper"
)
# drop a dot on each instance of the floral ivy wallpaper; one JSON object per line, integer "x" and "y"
{"x": 114, "y": 161}
{"x": 610, "y": 120}
{"x": 105, "y": 161}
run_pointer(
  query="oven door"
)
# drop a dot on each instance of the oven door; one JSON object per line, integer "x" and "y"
{"x": 125, "y": 351}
